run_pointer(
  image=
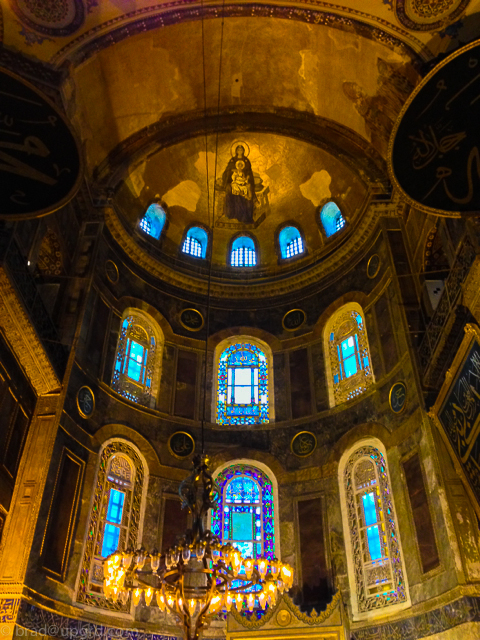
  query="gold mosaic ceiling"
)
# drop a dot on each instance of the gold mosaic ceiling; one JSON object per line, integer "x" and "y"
{"x": 313, "y": 89}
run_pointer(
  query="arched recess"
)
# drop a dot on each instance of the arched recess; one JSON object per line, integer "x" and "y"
{"x": 376, "y": 569}
{"x": 115, "y": 518}
{"x": 138, "y": 360}
{"x": 347, "y": 354}
{"x": 221, "y": 401}
{"x": 262, "y": 475}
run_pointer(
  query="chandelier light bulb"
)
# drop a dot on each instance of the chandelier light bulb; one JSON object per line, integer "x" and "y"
{"x": 200, "y": 577}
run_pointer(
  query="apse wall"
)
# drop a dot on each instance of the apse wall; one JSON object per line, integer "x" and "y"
{"x": 386, "y": 417}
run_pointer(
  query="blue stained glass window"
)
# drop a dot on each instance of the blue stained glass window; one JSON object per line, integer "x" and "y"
{"x": 332, "y": 219}
{"x": 153, "y": 221}
{"x": 136, "y": 361}
{"x": 291, "y": 242}
{"x": 115, "y": 506}
{"x": 242, "y": 385}
{"x": 195, "y": 243}
{"x": 243, "y": 252}
{"x": 245, "y": 514}
{"x": 369, "y": 510}
{"x": 374, "y": 543}
{"x": 111, "y": 533}
{"x": 110, "y": 540}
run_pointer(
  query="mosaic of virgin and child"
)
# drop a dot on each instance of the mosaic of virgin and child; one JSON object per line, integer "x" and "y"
{"x": 239, "y": 185}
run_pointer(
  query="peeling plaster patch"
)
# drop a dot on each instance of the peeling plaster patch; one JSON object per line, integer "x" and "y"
{"x": 186, "y": 194}
{"x": 201, "y": 163}
{"x": 135, "y": 181}
{"x": 449, "y": 529}
{"x": 317, "y": 188}
{"x": 342, "y": 42}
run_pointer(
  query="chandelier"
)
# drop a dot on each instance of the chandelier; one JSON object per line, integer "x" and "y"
{"x": 200, "y": 577}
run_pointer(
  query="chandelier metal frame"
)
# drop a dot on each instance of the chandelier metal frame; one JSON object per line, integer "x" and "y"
{"x": 200, "y": 576}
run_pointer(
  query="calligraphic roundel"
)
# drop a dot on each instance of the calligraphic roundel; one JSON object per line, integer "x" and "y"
{"x": 40, "y": 163}
{"x": 434, "y": 150}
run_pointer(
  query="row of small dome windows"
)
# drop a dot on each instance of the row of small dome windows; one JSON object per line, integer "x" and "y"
{"x": 243, "y": 251}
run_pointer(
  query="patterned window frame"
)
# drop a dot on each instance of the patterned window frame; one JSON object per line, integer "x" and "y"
{"x": 266, "y": 480}
{"x": 363, "y": 574}
{"x": 90, "y": 581}
{"x": 143, "y": 330}
{"x": 341, "y": 325}
{"x": 267, "y": 413}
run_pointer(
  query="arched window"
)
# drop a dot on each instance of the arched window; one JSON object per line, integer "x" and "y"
{"x": 376, "y": 572}
{"x": 348, "y": 362}
{"x": 114, "y": 519}
{"x": 136, "y": 372}
{"x": 243, "y": 253}
{"x": 245, "y": 515}
{"x": 331, "y": 219}
{"x": 242, "y": 386}
{"x": 153, "y": 221}
{"x": 195, "y": 243}
{"x": 291, "y": 242}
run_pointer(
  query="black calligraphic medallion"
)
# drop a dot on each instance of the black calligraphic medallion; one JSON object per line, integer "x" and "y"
{"x": 434, "y": 151}
{"x": 85, "y": 402}
{"x": 459, "y": 417}
{"x": 303, "y": 444}
{"x": 398, "y": 397}
{"x": 293, "y": 319}
{"x": 181, "y": 444}
{"x": 40, "y": 164}
{"x": 191, "y": 319}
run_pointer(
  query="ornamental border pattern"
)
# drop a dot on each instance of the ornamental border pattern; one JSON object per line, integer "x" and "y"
{"x": 42, "y": 621}
{"x": 175, "y": 12}
{"x": 445, "y": 18}
{"x": 24, "y": 340}
{"x": 453, "y": 614}
{"x": 311, "y": 620}
{"x": 64, "y": 31}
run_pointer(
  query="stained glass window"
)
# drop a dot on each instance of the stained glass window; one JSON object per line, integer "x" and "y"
{"x": 111, "y": 534}
{"x": 243, "y": 252}
{"x": 245, "y": 516}
{"x": 242, "y": 396}
{"x": 135, "y": 361}
{"x": 291, "y": 242}
{"x": 114, "y": 520}
{"x": 379, "y": 572}
{"x": 331, "y": 219}
{"x": 195, "y": 243}
{"x": 349, "y": 355}
{"x": 153, "y": 221}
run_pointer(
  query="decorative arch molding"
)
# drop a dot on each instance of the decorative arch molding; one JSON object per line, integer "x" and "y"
{"x": 85, "y": 46}
{"x": 248, "y": 338}
{"x": 129, "y": 302}
{"x": 369, "y": 604}
{"x": 89, "y": 592}
{"x": 252, "y": 332}
{"x": 355, "y": 297}
{"x": 112, "y": 432}
{"x": 249, "y": 462}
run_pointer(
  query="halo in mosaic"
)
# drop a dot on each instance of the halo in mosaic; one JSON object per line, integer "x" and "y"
{"x": 250, "y": 360}
{"x": 245, "y": 515}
